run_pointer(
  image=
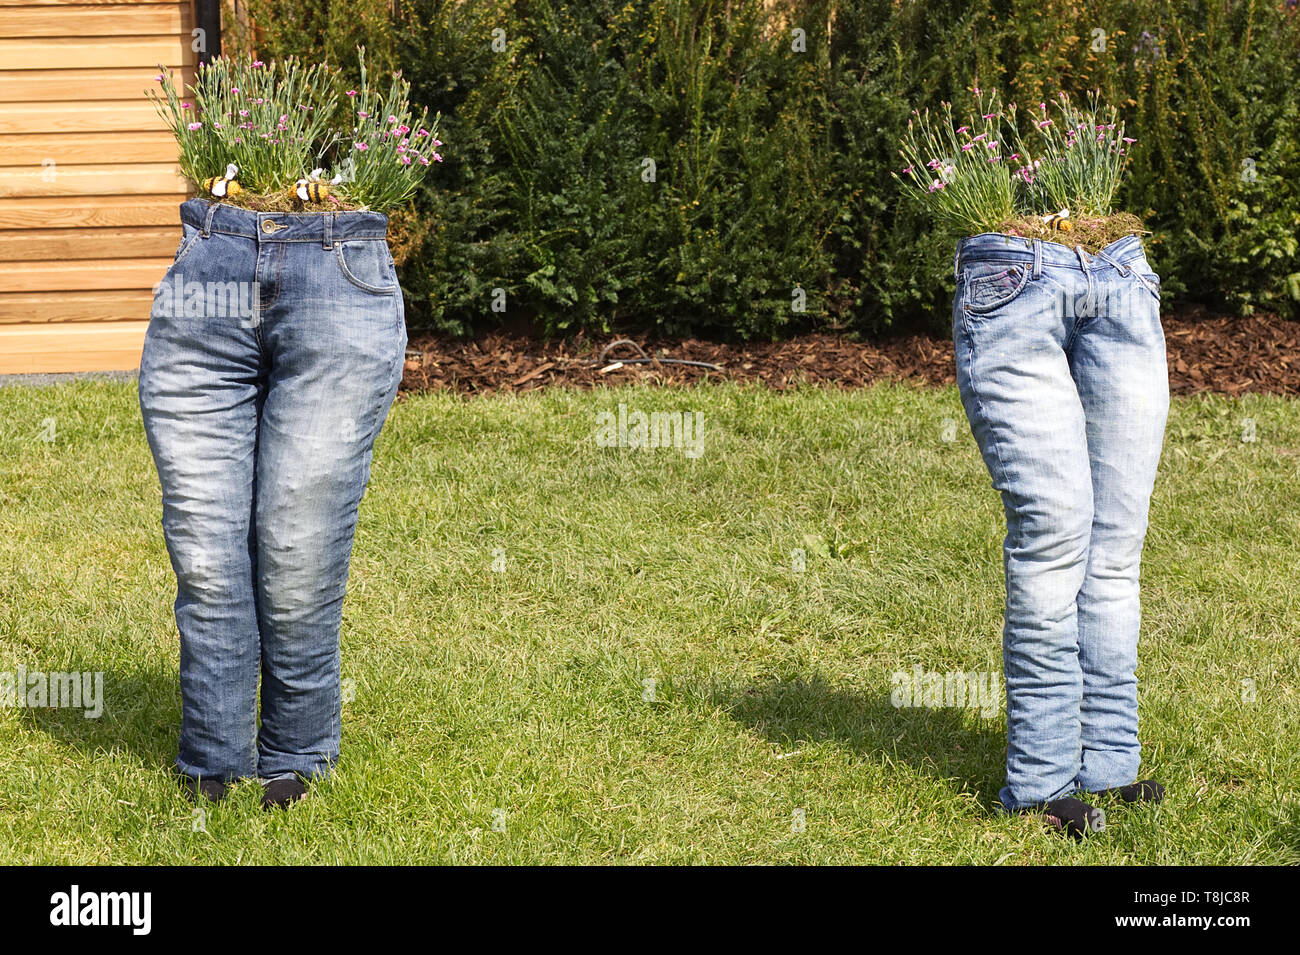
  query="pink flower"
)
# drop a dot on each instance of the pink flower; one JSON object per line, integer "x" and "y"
{"x": 907, "y": 171}
{"x": 362, "y": 146}
{"x": 234, "y": 89}
{"x": 405, "y": 160}
{"x": 158, "y": 78}
{"x": 425, "y": 162}
{"x": 352, "y": 92}
{"x": 967, "y": 147}
{"x": 437, "y": 143}
{"x": 436, "y": 158}
{"x": 962, "y": 129}
{"x": 257, "y": 63}
{"x": 979, "y": 137}
{"x": 1044, "y": 124}
{"x": 185, "y": 105}
{"x": 937, "y": 185}
{"x": 422, "y": 132}
{"x": 1129, "y": 139}
{"x": 194, "y": 126}
{"x": 403, "y": 129}
{"x": 989, "y": 115}
{"x": 392, "y": 118}
{"x": 362, "y": 113}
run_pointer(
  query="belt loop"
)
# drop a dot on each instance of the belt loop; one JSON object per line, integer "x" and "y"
{"x": 329, "y": 231}
{"x": 206, "y": 231}
{"x": 1038, "y": 259}
{"x": 1120, "y": 267}
{"x": 955, "y": 254}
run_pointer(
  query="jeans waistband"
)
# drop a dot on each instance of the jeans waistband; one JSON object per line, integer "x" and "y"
{"x": 994, "y": 247}
{"x": 320, "y": 227}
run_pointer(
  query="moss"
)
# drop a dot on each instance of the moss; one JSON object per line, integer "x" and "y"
{"x": 284, "y": 202}
{"x": 1093, "y": 233}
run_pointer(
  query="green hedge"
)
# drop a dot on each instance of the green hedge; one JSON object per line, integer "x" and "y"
{"x": 772, "y": 128}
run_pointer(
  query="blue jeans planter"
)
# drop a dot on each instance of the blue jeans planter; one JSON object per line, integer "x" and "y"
{"x": 274, "y": 350}
{"x": 1061, "y": 368}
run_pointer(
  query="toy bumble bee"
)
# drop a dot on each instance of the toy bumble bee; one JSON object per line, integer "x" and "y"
{"x": 223, "y": 186}
{"x": 313, "y": 188}
{"x": 1059, "y": 221}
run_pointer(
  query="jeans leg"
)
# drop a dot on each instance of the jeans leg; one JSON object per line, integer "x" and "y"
{"x": 199, "y": 391}
{"x": 1024, "y": 411}
{"x": 1118, "y": 362}
{"x": 334, "y": 375}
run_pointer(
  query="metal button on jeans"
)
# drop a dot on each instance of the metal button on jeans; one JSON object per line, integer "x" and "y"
{"x": 269, "y": 226}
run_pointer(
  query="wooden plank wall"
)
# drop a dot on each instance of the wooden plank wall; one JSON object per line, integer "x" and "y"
{"x": 89, "y": 185}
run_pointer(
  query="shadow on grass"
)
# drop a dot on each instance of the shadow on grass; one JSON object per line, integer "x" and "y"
{"x": 954, "y": 745}
{"x": 141, "y": 715}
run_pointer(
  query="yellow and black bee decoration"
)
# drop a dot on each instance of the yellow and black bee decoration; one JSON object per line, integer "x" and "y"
{"x": 313, "y": 188}
{"x": 223, "y": 186}
{"x": 1059, "y": 221}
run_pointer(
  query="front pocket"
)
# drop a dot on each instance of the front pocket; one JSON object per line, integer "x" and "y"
{"x": 190, "y": 236}
{"x": 992, "y": 288}
{"x": 366, "y": 263}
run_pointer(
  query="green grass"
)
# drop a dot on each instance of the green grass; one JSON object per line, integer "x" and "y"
{"x": 517, "y": 695}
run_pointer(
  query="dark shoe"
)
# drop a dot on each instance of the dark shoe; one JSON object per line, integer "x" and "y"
{"x": 1148, "y": 790}
{"x": 1074, "y": 817}
{"x": 283, "y": 793}
{"x": 213, "y": 790}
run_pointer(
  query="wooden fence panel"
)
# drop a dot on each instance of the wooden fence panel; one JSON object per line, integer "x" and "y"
{"x": 89, "y": 184}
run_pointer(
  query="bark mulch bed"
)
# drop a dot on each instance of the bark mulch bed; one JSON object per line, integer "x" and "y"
{"x": 1207, "y": 353}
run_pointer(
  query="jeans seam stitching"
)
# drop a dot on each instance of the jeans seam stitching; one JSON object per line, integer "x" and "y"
{"x": 979, "y": 410}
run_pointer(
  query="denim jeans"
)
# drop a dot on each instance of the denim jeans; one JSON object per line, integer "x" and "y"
{"x": 274, "y": 350}
{"x": 1061, "y": 368}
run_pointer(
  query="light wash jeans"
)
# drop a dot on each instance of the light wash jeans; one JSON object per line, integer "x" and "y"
{"x": 1061, "y": 369}
{"x": 274, "y": 350}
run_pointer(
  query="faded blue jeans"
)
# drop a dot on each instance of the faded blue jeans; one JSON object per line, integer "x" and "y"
{"x": 274, "y": 350}
{"x": 1061, "y": 368}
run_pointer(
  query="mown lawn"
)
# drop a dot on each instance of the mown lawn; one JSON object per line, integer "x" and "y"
{"x": 514, "y": 586}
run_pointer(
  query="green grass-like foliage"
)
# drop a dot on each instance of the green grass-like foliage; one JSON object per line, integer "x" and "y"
{"x": 279, "y": 120}
{"x": 514, "y": 585}
{"x": 974, "y": 176}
